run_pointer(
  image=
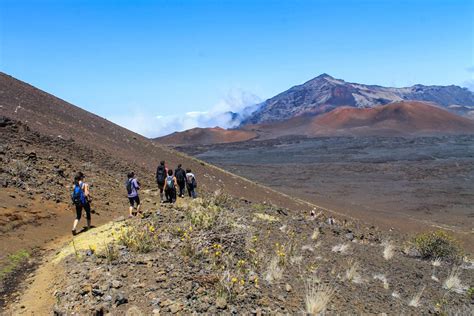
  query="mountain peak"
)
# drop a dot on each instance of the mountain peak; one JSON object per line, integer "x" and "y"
{"x": 324, "y": 76}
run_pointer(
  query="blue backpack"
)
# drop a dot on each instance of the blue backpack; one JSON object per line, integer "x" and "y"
{"x": 78, "y": 196}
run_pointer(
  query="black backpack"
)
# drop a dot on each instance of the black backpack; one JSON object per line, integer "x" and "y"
{"x": 129, "y": 186}
{"x": 180, "y": 175}
{"x": 160, "y": 174}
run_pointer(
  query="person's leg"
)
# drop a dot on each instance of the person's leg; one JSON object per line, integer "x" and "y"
{"x": 166, "y": 195}
{"x": 189, "y": 191}
{"x": 194, "y": 194}
{"x": 181, "y": 188}
{"x": 78, "y": 217}
{"x": 161, "y": 192}
{"x": 87, "y": 208}
{"x": 130, "y": 208}
{"x": 173, "y": 195}
{"x": 137, "y": 199}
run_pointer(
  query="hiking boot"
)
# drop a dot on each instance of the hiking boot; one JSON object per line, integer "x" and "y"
{"x": 74, "y": 233}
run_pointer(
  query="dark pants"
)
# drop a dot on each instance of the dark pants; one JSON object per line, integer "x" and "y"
{"x": 87, "y": 208}
{"x": 170, "y": 195}
{"x": 161, "y": 186}
{"x": 192, "y": 192}
{"x": 182, "y": 186}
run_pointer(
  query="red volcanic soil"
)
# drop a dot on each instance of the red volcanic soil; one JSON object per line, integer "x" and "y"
{"x": 399, "y": 118}
{"x": 206, "y": 136}
{"x": 407, "y": 117}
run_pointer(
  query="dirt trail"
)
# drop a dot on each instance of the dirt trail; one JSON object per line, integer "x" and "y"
{"x": 38, "y": 297}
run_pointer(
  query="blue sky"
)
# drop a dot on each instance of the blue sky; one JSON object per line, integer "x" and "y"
{"x": 145, "y": 64}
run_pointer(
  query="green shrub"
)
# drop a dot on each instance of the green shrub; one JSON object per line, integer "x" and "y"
{"x": 438, "y": 244}
{"x": 138, "y": 238}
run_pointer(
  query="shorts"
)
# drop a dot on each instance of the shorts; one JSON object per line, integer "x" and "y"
{"x": 134, "y": 200}
{"x": 87, "y": 208}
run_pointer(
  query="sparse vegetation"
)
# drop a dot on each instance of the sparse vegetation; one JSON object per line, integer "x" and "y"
{"x": 317, "y": 297}
{"x": 341, "y": 248}
{"x": 388, "y": 250}
{"x": 352, "y": 273}
{"x": 109, "y": 252}
{"x": 382, "y": 278}
{"x": 453, "y": 282}
{"x": 139, "y": 237}
{"x": 415, "y": 301}
{"x": 274, "y": 271}
{"x": 437, "y": 245}
{"x": 14, "y": 261}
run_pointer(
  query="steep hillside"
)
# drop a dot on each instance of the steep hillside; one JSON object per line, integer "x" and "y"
{"x": 53, "y": 117}
{"x": 206, "y": 136}
{"x": 45, "y": 140}
{"x": 324, "y": 93}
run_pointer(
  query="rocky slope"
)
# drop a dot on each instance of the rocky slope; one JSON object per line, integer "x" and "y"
{"x": 45, "y": 140}
{"x": 221, "y": 255}
{"x": 324, "y": 93}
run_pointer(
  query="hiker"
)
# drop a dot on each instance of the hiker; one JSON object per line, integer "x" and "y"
{"x": 191, "y": 183}
{"x": 133, "y": 186}
{"x": 180, "y": 175}
{"x": 161, "y": 173}
{"x": 81, "y": 198}
{"x": 170, "y": 187}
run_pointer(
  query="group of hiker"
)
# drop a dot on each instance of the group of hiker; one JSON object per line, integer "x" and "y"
{"x": 170, "y": 184}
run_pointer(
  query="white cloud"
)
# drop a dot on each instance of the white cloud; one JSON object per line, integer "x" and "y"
{"x": 236, "y": 101}
{"x": 469, "y": 84}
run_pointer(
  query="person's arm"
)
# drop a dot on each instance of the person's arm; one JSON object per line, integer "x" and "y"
{"x": 137, "y": 185}
{"x": 86, "y": 189}
{"x": 175, "y": 182}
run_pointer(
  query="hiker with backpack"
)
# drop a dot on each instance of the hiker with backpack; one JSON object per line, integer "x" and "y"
{"x": 81, "y": 199}
{"x": 161, "y": 172}
{"x": 191, "y": 183}
{"x": 180, "y": 175}
{"x": 133, "y": 186}
{"x": 170, "y": 189}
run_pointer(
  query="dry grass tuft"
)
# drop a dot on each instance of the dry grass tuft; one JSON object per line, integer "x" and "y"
{"x": 266, "y": 217}
{"x": 274, "y": 271}
{"x": 352, "y": 274}
{"x": 341, "y": 248}
{"x": 388, "y": 250}
{"x": 436, "y": 262}
{"x": 318, "y": 297}
{"x": 415, "y": 301}
{"x": 453, "y": 282}
{"x": 315, "y": 234}
{"x": 382, "y": 278}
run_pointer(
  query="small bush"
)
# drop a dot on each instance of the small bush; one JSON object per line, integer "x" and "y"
{"x": 138, "y": 238}
{"x": 318, "y": 297}
{"x": 437, "y": 244}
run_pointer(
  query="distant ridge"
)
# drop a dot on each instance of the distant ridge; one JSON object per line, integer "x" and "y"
{"x": 206, "y": 136}
{"x": 398, "y": 118}
{"x": 325, "y": 93}
{"x": 404, "y": 118}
